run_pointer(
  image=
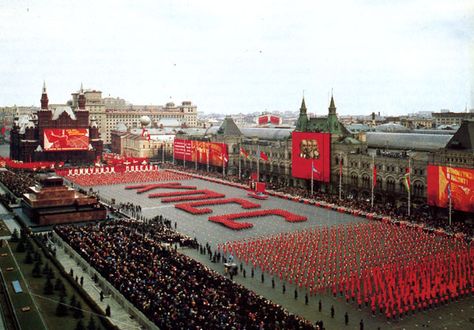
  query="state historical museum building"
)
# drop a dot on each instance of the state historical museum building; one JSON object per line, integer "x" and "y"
{"x": 57, "y": 135}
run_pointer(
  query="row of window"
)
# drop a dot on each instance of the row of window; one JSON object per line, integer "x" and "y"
{"x": 380, "y": 167}
{"x": 456, "y": 160}
{"x": 366, "y": 181}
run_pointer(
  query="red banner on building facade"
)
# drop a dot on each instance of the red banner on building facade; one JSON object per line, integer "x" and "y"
{"x": 199, "y": 151}
{"x": 308, "y": 150}
{"x": 61, "y": 139}
{"x": 445, "y": 182}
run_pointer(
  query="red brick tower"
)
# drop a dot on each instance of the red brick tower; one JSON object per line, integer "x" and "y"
{"x": 44, "y": 98}
{"x": 82, "y": 99}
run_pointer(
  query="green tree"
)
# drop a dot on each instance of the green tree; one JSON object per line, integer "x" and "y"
{"x": 15, "y": 236}
{"x": 38, "y": 257}
{"x": 91, "y": 324}
{"x": 23, "y": 234}
{"x": 63, "y": 292}
{"x": 28, "y": 258}
{"x": 78, "y": 314}
{"x": 29, "y": 246}
{"x": 58, "y": 285}
{"x": 73, "y": 301}
{"x": 48, "y": 287}
{"x": 46, "y": 269}
{"x": 61, "y": 309}
{"x": 20, "y": 247}
{"x": 50, "y": 274}
{"x": 79, "y": 325}
{"x": 36, "y": 272}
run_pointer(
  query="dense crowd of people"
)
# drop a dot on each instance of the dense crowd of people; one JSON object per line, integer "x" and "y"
{"x": 101, "y": 179}
{"x": 18, "y": 181}
{"x": 173, "y": 290}
{"x": 367, "y": 262}
{"x": 418, "y": 215}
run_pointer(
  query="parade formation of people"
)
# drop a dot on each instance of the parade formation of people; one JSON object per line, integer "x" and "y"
{"x": 391, "y": 267}
{"x": 394, "y": 268}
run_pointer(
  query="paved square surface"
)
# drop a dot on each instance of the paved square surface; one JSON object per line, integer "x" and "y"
{"x": 205, "y": 231}
{"x": 455, "y": 315}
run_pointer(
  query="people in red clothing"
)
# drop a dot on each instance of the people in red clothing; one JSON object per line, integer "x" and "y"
{"x": 394, "y": 267}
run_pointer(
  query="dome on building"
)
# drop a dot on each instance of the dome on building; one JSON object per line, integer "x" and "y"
{"x": 145, "y": 121}
{"x": 121, "y": 127}
{"x": 93, "y": 123}
{"x": 350, "y": 140}
{"x": 392, "y": 128}
{"x": 355, "y": 128}
{"x": 30, "y": 124}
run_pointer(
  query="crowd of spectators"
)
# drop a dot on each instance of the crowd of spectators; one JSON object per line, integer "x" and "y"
{"x": 18, "y": 181}
{"x": 173, "y": 290}
{"x": 418, "y": 215}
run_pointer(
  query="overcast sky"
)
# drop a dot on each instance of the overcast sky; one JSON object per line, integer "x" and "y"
{"x": 243, "y": 56}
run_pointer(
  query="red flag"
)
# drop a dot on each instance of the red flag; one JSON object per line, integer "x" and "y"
{"x": 263, "y": 156}
{"x": 406, "y": 180}
{"x": 374, "y": 178}
{"x": 244, "y": 153}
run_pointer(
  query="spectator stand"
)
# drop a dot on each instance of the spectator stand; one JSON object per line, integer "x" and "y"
{"x": 108, "y": 288}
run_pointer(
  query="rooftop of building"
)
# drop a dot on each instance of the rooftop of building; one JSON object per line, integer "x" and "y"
{"x": 406, "y": 141}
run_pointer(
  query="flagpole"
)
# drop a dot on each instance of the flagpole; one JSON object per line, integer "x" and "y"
{"x": 450, "y": 192}
{"x": 184, "y": 162}
{"x": 258, "y": 163}
{"x": 173, "y": 150}
{"x": 450, "y": 204}
{"x": 312, "y": 177}
{"x": 223, "y": 166}
{"x": 240, "y": 162}
{"x": 340, "y": 176}
{"x": 408, "y": 185}
{"x": 373, "y": 179}
{"x": 208, "y": 155}
{"x": 163, "y": 153}
{"x": 195, "y": 159}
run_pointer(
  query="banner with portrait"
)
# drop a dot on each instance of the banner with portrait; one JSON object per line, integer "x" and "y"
{"x": 311, "y": 153}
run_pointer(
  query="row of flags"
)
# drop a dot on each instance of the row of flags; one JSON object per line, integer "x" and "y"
{"x": 246, "y": 155}
{"x": 406, "y": 178}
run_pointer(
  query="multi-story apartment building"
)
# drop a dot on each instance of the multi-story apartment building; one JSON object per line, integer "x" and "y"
{"x": 451, "y": 118}
{"x": 416, "y": 122}
{"x": 109, "y": 112}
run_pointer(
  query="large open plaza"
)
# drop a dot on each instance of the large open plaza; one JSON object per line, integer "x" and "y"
{"x": 300, "y": 237}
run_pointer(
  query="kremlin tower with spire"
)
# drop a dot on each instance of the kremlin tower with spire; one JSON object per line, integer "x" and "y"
{"x": 56, "y": 135}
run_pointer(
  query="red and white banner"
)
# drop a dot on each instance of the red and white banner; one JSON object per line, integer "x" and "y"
{"x": 107, "y": 170}
{"x": 199, "y": 151}
{"x": 61, "y": 139}
{"x": 455, "y": 182}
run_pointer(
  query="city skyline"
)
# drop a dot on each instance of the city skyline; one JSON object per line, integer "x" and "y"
{"x": 376, "y": 56}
